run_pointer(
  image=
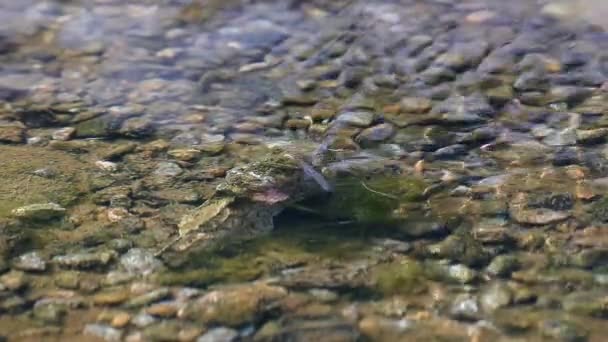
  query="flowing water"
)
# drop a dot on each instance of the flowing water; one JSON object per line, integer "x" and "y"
{"x": 459, "y": 147}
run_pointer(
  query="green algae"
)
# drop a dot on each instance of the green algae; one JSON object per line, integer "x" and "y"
{"x": 373, "y": 200}
{"x": 401, "y": 277}
{"x": 38, "y": 175}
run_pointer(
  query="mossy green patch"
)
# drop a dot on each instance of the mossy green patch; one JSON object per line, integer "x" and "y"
{"x": 371, "y": 200}
{"x": 402, "y": 277}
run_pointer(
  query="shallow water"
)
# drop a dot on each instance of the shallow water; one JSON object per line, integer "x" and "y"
{"x": 464, "y": 143}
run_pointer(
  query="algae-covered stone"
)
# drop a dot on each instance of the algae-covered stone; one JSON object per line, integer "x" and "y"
{"x": 374, "y": 200}
{"x": 23, "y": 186}
{"x": 234, "y": 305}
{"x": 405, "y": 277}
{"x": 461, "y": 247}
{"x": 39, "y": 211}
{"x": 589, "y": 303}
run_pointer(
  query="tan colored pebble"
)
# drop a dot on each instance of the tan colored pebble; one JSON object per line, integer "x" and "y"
{"x": 185, "y": 154}
{"x": 120, "y": 320}
{"x": 162, "y": 310}
{"x": 111, "y": 298}
{"x": 297, "y": 123}
{"x": 195, "y": 118}
{"x": 392, "y": 108}
{"x": 478, "y": 17}
{"x": 575, "y": 172}
{"x": 584, "y": 191}
{"x": 419, "y": 166}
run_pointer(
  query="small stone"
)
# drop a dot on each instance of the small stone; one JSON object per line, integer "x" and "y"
{"x": 503, "y": 265}
{"x": 49, "y": 312}
{"x": 584, "y": 191}
{"x": 588, "y": 303}
{"x": 495, "y": 296}
{"x": 219, "y": 334}
{"x": 561, "y": 330}
{"x": 376, "y": 134}
{"x": 143, "y": 320}
{"x": 461, "y": 273}
{"x": 84, "y": 260}
{"x": 104, "y": 332}
{"x": 479, "y": 17}
{"x": 31, "y": 262}
{"x": 185, "y": 154}
{"x": 12, "y": 134}
{"x": 451, "y": 151}
{"x": 297, "y": 123}
{"x": 64, "y": 134}
{"x": 591, "y": 136}
{"x": 322, "y": 111}
{"x": 465, "y": 307}
{"x": 106, "y": 165}
{"x": 358, "y": 118}
{"x": 415, "y": 105}
{"x": 564, "y": 137}
{"x": 163, "y": 309}
{"x": 117, "y": 214}
{"x": 111, "y": 297}
{"x": 137, "y": 127}
{"x": 14, "y": 280}
{"x": 233, "y": 305}
{"x": 40, "y": 211}
{"x": 67, "y": 280}
{"x": 384, "y": 329}
{"x": 138, "y": 261}
{"x": 168, "y": 169}
{"x": 149, "y": 297}
{"x": 120, "y": 320}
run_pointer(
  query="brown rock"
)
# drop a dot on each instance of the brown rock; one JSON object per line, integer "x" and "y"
{"x": 111, "y": 297}
{"x": 12, "y": 134}
{"x": 415, "y": 105}
{"x": 234, "y": 305}
{"x": 120, "y": 320}
{"x": 297, "y": 123}
{"x": 163, "y": 310}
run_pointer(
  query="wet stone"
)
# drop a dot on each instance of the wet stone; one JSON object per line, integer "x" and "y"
{"x": 465, "y": 307}
{"x": 14, "y": 280}
{"x": 12, "y": 134}
{"x": 41, "y": 211}
{"x": 384, "y": 329}
{"x": 104, "y": 332}
{"x": 64, "y": 134}
{"x": 219, "y": 334}
{"x": 49, "y": 312}
{"x": 149, "y": 297}
{"x": 452, "y": 151}
{"x": 415, "y": 105}
{"x": 67, "y": 280}
{"x": 31, "y": 262}
{"x": 563, "y": 331}
{"x": 358, "y": 119}
{"x": 84, "y": 260}
{"x": 495, "y": 296}
{"x": 168, "y": 169}
{"x": 503, "y": 265}
{"x": 376, "y": 134}
{"x": 138, "y": 261}
{"x": 588, "y": 303}
{"x": 233, "y": 306}
{"x": 591, "y": 136}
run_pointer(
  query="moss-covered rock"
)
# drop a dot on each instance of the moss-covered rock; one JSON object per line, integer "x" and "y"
{"x": 373, "y": 200}
{"x": 401, "y": 277}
